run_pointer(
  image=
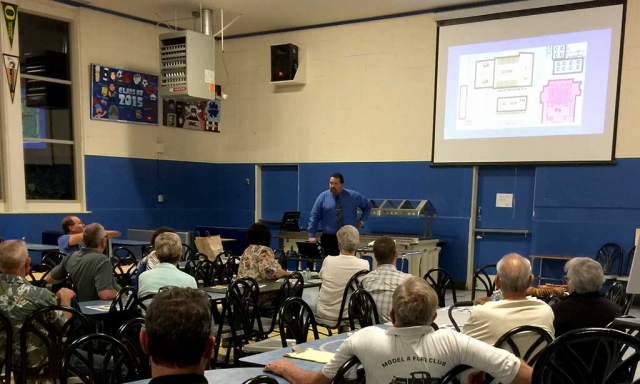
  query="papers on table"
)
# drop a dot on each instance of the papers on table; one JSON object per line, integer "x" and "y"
{"x": 311, "y": 355}
{"x": 100, "y": 308}
{"x": 314, "y": 281}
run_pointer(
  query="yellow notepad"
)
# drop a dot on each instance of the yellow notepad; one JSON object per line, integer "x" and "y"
{"x": 312, "y": 355}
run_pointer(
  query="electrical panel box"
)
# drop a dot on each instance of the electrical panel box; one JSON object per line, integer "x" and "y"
{"x": 187, "y": 63}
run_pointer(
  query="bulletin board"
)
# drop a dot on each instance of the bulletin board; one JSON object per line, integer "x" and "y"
{"x": 122, "y": 95}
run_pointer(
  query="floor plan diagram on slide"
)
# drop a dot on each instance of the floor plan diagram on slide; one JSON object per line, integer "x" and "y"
{"x": 534, "y": 87}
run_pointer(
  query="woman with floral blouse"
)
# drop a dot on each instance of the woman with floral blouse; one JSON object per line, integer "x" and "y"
{"x": 258, "y": 260}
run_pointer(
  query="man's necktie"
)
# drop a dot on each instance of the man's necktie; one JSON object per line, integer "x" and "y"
{"x": 339, "y": 212}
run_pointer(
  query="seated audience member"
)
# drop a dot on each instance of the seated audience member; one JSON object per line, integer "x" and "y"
{"x": 488, "y": 322}
{"x": 168, "y": 250}
{"x": 89, "y": 269}
{"x": 151, "y": 261}
{"x": 382, "y": 282}
{"x": 336, "y": 272}
{"x": 71, "y": 241}
{"x": 177, "y": 336}
{"x": 258, "y": 260}
{"x": 18, "y": 299}
{"x": 411, "y": 346}
{"x": 584, "y": 307}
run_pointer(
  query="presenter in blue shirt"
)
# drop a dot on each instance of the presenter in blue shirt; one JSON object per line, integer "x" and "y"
{"x": 71, "y": 240}
{"x": 336, "y": 208}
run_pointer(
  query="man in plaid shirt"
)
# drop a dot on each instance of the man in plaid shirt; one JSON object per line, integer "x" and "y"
{"x": 382, "y": 282}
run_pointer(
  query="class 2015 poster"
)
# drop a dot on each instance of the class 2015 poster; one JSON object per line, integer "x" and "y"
{"x": 123, "y": 96}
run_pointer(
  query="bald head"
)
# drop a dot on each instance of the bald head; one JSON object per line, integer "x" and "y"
{"x": 514, "y": 274}
{"x": 93, "y": 236}
{"x": 13, "y": 256}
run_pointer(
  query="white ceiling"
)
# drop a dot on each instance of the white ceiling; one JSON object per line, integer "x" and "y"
{"x": 266, "y": 15}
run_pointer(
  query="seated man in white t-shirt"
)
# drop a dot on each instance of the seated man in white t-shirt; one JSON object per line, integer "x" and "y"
{"x": 336, "y": 272}
{"x": 411, "y": 346}
{"x": 490, "y": 321}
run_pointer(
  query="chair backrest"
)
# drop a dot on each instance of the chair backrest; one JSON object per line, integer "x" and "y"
{"x": 525, "y": 342}
{"x": 626, "y": 270}
{"x": 296, "y": 320}
{"x": 142, "y": 301}
{"x": 617, "y": 293}
{"x": 124, "y": 270}
{"x": 129, "y": 336}
{"x": 262, "y": 379}
{"x": 226, "y": 267}
{"x": 123, "y": 308}
{"x": 42, "y": 268}
{"x": 453, "y": 307}
{"x": 627, "y": 324}
{"x": 187, "y": 253}
{"x": 588, "y": 356}
{"x": 342, "y": 378}
{"x": 610, "y": 257}
{"x": 362, "y": 309}
{"x": 121, "y": 253}
{"x": 440, "y": 280}
{"x": 482, "y": 277}
{"x": 190, "y": 267}
{"x": 452, "y": 377}
{"x": 53, "y": 258}
{"x": 292, "y": 286}
{"x": 354, "y": 283}
{"x": 98, "y": 359}
{"x": 42, "y": 330}
{"x": 207, "y": 271}
{"x": 6, "y": 334}
{"x": 242, "y": 308}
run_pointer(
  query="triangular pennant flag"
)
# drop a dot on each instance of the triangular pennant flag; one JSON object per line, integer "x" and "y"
{"x": 11, "y": 65}
{"x": 10, "y": 12}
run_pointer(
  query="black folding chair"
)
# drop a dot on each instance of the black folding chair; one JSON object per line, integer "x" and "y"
{"x": 452, "y": 377}
{"x": 610, "y": 257}
{"x": 588, "y": 356}
{"x": 362, "y": 309}
{"x": 617, "y": 293}
{"x": 226, "y": 267}
{"x": 262, "y": 379}
{"x": 342, "y": 376}
{"x": 207, "y": 271}
{"x": 292, "y": 286}
{"x": 353, "y": 284}
{"x": 123, "y": 308}
{"x": 41, "y": 280}
{"x": 142, "y": 301}
{"x": 42, "y": 328}
{"x": 98, "y": 359}
{"x": 129, "y": 336}
{"x": 482, "y": 277}
{"x": 187, "y": 253}
{"x": 190, "y": 267}
{"x": 124, "y": 270}
{"x": 296, "y": 320}
{"x": 53, "y": 258}
{"x": 453, "y": 308}
{"x": 6, "y": 334}
{"x": 440, "y": 280}
{"x": 120, "y": 253}
{"x": 525, "y": 342}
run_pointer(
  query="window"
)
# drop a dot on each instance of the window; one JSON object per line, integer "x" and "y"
{"x": 47, "y": 119}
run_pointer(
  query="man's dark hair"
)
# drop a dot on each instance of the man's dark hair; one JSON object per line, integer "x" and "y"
{"x": 160, "y": 231}
{"x": 339, "y": 177}
{"x": 178, "y": 324}
{"x": 384, "y": 250}
{"x": 66, "y": 223}
{"x": 259, "y": 234}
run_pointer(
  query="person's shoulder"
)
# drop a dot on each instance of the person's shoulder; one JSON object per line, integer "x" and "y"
{"x": 63, "y": 240}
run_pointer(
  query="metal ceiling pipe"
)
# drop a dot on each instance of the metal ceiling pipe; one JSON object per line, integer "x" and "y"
{"x": 206, "y": 18}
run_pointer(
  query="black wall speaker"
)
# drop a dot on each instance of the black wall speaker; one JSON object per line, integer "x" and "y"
{"x": 284, "y": 62}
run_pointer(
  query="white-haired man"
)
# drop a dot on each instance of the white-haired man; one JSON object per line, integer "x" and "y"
{"x": 490, "y": 321}
{"x": 411, "y": 346}
{"x": 89, "y": 269}
{"x": 336, "y": 272}
{"x": 585, "y": 307}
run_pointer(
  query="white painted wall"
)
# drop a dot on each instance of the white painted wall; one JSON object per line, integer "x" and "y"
{"x": 368, "y": 97}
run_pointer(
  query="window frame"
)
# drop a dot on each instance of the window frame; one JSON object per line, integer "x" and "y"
{"x": 11, "y": 149}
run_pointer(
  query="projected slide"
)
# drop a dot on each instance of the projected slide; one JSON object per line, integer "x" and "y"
{"x": 542, "y": 86}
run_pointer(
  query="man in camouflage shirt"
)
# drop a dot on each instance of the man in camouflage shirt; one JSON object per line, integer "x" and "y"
{"x": 18, "y": 299}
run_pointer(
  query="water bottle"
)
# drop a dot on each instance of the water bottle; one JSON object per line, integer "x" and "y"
{"x": 497, "y": 295}
{"x": 307, "y": 274}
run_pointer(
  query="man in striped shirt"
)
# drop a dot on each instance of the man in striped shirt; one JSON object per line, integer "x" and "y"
{"x": 382, "y": 282}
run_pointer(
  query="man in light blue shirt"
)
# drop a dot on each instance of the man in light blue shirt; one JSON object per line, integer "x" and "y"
{"x": 71, "y": 240}
{"x": 168, "y": 251}
{"x": 336, "y": 208}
